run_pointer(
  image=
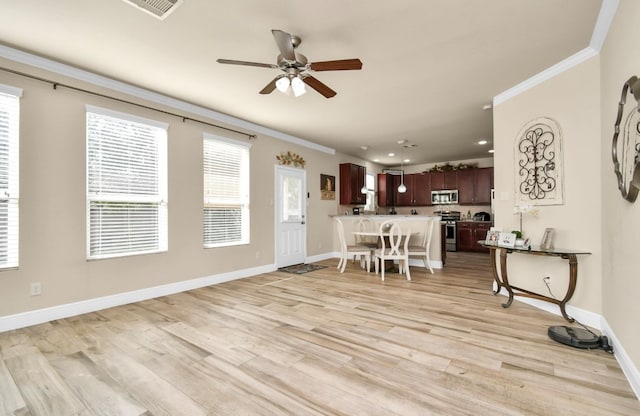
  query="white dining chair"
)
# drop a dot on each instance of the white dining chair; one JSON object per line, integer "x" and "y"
{"x": 422, "y": 248}
{"x": 394, "y": 238}
{"x": 349, "y": 250}
{"x": 366, "y": 225}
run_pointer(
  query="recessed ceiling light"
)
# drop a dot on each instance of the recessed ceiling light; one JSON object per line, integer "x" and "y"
{"x": 407, "y": 160}
{"x": 482, "y": 142}
{"x": 391, "y": 154}
{"x": 376, "y": 160}
{"x": 491, "y": 151}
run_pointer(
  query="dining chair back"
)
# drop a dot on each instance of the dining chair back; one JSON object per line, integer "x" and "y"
{"x": 366, "y": 225}
{"x": 394, "y": 237}
{"x": 422, "y": 248}
{"x": 348, "y": 250}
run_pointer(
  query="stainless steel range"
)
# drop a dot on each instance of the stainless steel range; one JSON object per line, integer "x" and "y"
{"x": 449, "y": 219}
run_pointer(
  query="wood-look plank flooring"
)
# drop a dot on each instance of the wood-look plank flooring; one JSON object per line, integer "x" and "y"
{"x": 321, "y": 343}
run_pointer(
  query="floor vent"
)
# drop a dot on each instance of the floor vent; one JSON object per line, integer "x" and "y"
{"x": 158, "y": 8}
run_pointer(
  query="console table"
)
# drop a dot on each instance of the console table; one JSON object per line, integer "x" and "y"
{"x": 570, "y": 255}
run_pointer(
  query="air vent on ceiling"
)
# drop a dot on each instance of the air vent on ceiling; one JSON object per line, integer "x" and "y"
{"x": 158, "y": 8}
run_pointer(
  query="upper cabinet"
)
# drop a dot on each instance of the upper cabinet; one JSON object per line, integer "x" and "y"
{"x": 474, "y": 186}
{"x": 352, "y": 179}
{"x": 386, "y": 192}
{"x": 443, "y": 180}
{"x": 418, "y": 190}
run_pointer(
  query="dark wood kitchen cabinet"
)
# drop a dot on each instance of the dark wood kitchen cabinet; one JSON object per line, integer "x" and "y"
{"x": 418, "y": 190}
{"x": 386, "y": 193}
{"x": 474, "y": 186}
{"x": 443, "y": 180}
{"x": 352, "y": 179}
{"x": 484, "y": 185}
{"x": 468, "y": 233}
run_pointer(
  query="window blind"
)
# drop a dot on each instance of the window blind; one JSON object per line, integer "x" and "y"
{"x": 9, "y": 171}
{"x": 126, "y": 184}
{"x": 226, "y": 192}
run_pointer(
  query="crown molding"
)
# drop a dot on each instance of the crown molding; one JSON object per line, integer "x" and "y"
{"x": 603, "y": 24}
{"x": 151, "y": 96}
{"x": 547, "y": 74}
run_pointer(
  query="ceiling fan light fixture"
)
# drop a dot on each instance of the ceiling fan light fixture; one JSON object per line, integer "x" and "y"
{"x": 282, "y": 84}
{"x": 297, "y": 85}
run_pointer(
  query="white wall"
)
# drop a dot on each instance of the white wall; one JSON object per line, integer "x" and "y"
{"x": 621, "y": 219}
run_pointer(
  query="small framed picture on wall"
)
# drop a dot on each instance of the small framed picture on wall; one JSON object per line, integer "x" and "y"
{"x": 327, "y": 186}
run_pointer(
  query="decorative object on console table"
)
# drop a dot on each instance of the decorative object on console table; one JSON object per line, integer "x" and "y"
{"x": 327, "y": 186}
{"x": 522, "y": 208}
{"x": 547, "y": 239}
{"x": 507, "y": 240}
{"x": 492, "y": 235}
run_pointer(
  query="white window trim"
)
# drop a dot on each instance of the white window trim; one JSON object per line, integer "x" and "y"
{"x": 161, "y": 199}
{"x": 13, "y": 192}
{"x": 246, "y": 216}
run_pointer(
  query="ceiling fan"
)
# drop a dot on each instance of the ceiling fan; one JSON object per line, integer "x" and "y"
{"x": 297, "y": 70}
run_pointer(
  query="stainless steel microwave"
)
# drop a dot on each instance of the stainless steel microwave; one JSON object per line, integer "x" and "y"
{"x": 445, "y": 197}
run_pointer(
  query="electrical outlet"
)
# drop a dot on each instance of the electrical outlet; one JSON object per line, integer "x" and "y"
{"x": 36, "y": 289}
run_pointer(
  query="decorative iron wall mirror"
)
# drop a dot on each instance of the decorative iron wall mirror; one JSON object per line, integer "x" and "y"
{"x": 626, "y": 153}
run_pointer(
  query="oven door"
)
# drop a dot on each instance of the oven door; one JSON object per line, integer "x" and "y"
{"x": 450, "y": 236}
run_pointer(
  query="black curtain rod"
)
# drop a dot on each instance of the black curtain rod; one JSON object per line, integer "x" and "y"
{"x": 97, "y": 94}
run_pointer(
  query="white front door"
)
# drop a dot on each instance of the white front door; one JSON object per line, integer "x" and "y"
{"x": 291, "y": 216}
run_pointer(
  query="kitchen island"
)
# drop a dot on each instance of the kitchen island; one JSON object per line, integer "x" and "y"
{"x": 435, "y": 252}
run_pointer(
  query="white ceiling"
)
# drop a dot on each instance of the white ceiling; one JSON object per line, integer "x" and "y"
{"x": 429, "y": 66}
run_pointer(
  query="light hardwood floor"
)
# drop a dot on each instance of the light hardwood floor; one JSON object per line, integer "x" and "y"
{"x": 321, "y": 343}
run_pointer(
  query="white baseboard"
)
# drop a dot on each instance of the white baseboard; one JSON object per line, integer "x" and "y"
{"x": 598, "y": 322}
{"x": 39, "y": 316}
{"x": 628, "y": 367}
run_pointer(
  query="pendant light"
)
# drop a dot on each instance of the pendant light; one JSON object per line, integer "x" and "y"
{"x": 364, "y": 188}
{"x": 402, "y": 188}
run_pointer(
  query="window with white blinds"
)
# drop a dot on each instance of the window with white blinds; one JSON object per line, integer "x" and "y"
{"x": 126, "y": 184}
{"x": 226, "y": 192}
{"x": 9, "y": 170}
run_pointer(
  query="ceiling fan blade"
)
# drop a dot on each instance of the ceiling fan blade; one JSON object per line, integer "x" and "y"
{"x": 268, "y": 89}
{"x": 319, "y": 86}
{"x": 339, "y": 65}
{"x": 232, "y": 62}
{"x": 285, "y": 44}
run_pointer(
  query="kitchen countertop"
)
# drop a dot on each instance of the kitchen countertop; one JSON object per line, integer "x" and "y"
{"x": 415, "y": 217}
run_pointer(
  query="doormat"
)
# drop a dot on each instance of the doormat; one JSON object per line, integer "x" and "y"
{"x": 301, "y": 268}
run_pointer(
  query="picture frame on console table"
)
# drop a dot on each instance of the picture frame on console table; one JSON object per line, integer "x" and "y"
{"x": 493, "y": 235}
{"x": 507, "y": 240}
{"x": 547, "y": 239}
